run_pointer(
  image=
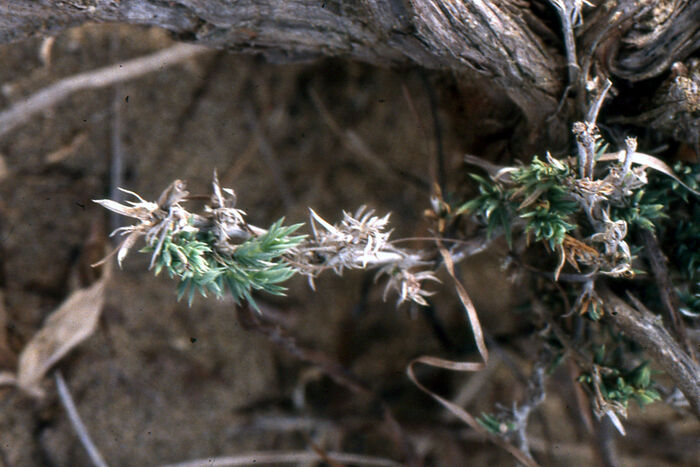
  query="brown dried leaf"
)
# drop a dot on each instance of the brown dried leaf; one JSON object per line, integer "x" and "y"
{"x": 69, "y": 325}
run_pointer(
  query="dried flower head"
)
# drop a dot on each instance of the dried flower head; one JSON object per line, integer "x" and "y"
{"x": 155, "y": 219}
{"x": 360, "y": 241}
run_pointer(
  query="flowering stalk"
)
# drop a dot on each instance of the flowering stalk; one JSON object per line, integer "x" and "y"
{"x": 217, "y": 249}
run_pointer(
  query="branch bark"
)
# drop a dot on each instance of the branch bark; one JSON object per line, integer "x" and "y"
{"x": 644, "y": 328}
{"x": 503, "y": 40}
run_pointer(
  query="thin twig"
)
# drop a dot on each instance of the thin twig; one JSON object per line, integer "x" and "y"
{"x": 618, "y": 14}
{"x": 569, "y": 12}
{"x": 576, "y": 352}
{"x": 534, "y": 396}
{"x": 474, "y": 386}
{"x": 358, "y": 147}
{"x": 241, "y": 162}
{"x": 441, "y": 171}
{"x": 49, "y": 96}
{"x": 592, "y": 116}
{"x": 474, "y": 246}
{"x": 270, "y": 158}
{"x": 666, "y": 290}
{"x": 205, "y": 81}
{"x": 562, "y": 101}
{"x": 74, "y": 417}
{"x": 289, "y": 423}
{"x": 7, "y": 356}
{"x": 334, "y": 369}
{"x": 117, "y": 157}
{"x": 116, "y": 145}
{"x": 583, "y": 405}
{"x": 289, "y": 457}
{"x": 604, "y": 439}
{"x": 67, "y": 150}
{"x": 414, "y": 112}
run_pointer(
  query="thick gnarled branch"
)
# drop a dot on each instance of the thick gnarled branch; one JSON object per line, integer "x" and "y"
{"x": 490, "y": 38}
{"x": 646, "y": 329}
{"x": 503, "y": 40}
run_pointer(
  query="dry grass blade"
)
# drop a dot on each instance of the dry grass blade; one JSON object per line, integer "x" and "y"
{"x": 646, "y": 160}
{"x": 4, "y": 171}
{"x": 466, "y": 302}
{"x": 435, "y": 362}
{"x": 69, "y": 325}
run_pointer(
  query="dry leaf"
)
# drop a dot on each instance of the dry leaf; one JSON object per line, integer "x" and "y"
{"x": 69, "y": 325}
{"x": 652, "y": 162}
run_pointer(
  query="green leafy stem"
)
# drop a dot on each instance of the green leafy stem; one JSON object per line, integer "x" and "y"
{"x": 257, "y": 264}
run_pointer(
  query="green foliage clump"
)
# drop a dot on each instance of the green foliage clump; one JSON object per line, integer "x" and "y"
{"x": 689, "y": 174}
{"x": 492, "y": 206}
{"x": 617, "y": 385}
{"x": 540, "y": 175}
{"x": 648, "y": 206}
{"x": 544, "y": 202}
{"x": 644, "y": 209}
{"x": 548, "y": 223}
{"x": 256, "y": 264}
{"x": 547, "y": 206}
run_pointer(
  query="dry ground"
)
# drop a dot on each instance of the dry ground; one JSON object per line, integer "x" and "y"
{"x": 160, "y": 382}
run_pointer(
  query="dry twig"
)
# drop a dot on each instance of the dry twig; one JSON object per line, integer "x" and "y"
{"x": 330, "y": 367}
{"x": 75, "y": 420}
{"x": 357, "y": 146}
{"x": 663, "y": 282}
{"x": 289, "y": 457}
{"x": 270, "y": 158}
{"x": 43, "y": 99}
{"x": 534, "y": 396}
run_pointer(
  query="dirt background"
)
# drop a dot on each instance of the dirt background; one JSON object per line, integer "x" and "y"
{"x": 160, "y": 382}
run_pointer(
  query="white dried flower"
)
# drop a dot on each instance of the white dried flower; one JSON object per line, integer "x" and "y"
{"x": 360, "y": 241}
{"x": 155, "y": 219}
{"x": 407, "y": 284}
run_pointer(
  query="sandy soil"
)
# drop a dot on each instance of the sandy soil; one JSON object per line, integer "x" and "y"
{"x": 160, "y": 382}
